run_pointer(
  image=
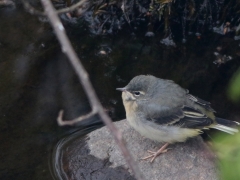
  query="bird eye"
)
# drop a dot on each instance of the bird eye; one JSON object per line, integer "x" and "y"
{"x": 136, "y": 93}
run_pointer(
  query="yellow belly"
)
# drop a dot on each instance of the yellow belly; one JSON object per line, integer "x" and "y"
{"x": 170, "y": 134}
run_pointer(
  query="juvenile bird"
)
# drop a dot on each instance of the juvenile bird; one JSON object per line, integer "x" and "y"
{"x": 163, "y": 111}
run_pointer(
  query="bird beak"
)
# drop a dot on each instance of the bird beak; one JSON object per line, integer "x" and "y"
{"x": 122, "y": 89}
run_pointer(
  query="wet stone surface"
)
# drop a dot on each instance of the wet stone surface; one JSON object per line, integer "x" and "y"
{"x": 97, "y": 157}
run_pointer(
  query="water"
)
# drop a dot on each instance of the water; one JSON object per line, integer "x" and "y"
{"x": 37, "y": 81}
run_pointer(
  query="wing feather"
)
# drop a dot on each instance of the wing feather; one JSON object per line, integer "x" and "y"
{"x": 185, "y": 117}
{"x": 204, "y": 104}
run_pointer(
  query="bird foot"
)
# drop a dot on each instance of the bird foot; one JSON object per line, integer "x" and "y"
{"x": 157, "y": 153}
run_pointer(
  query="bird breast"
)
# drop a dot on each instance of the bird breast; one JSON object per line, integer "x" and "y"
{"x": 160, "y": 133}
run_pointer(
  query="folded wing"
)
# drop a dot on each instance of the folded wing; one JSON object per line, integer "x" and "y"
{"x": 185, "y": 117}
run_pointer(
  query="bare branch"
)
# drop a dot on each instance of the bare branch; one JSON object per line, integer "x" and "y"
{"x": 71, "y": 8}
{"x": 33, "y": 10}
{"x": 87, "y": 86}
{"x": 6, "y": 3}
{"x": 62, "y": 122}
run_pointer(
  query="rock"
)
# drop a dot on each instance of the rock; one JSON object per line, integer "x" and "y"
{"x": 98, "y": 157}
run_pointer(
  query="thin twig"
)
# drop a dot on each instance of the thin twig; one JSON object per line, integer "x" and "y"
{"x": 62, "y": 122}
{"x": 71, "y": 8}
{"x": 87, "y": 86}
{"x": 6, "y": 3}
{"x": 33, "y": 10}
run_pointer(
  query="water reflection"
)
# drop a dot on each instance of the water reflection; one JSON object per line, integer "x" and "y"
{"x": 58, "y": 164}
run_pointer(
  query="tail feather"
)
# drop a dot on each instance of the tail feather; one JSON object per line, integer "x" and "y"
{"x": 226, "y": 126}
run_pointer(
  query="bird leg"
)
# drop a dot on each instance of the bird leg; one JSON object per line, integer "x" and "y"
{"x": 155, "y": 154}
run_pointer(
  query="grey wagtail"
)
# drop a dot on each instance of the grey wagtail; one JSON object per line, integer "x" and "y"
{"x": 163, "y": 111}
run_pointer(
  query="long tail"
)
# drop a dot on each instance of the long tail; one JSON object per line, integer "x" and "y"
{"x": 226, "y": 125}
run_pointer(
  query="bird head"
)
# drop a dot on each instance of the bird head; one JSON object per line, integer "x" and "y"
{"x": 139, "y": 88}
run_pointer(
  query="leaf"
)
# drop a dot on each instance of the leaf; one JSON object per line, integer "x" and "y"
{"x": 234, "y": 87}
{"x": 228, "y": 151}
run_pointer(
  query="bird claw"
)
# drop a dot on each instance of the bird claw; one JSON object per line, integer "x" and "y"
{"x": 154, "y": 152}
{"x": 157, "y": 153}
